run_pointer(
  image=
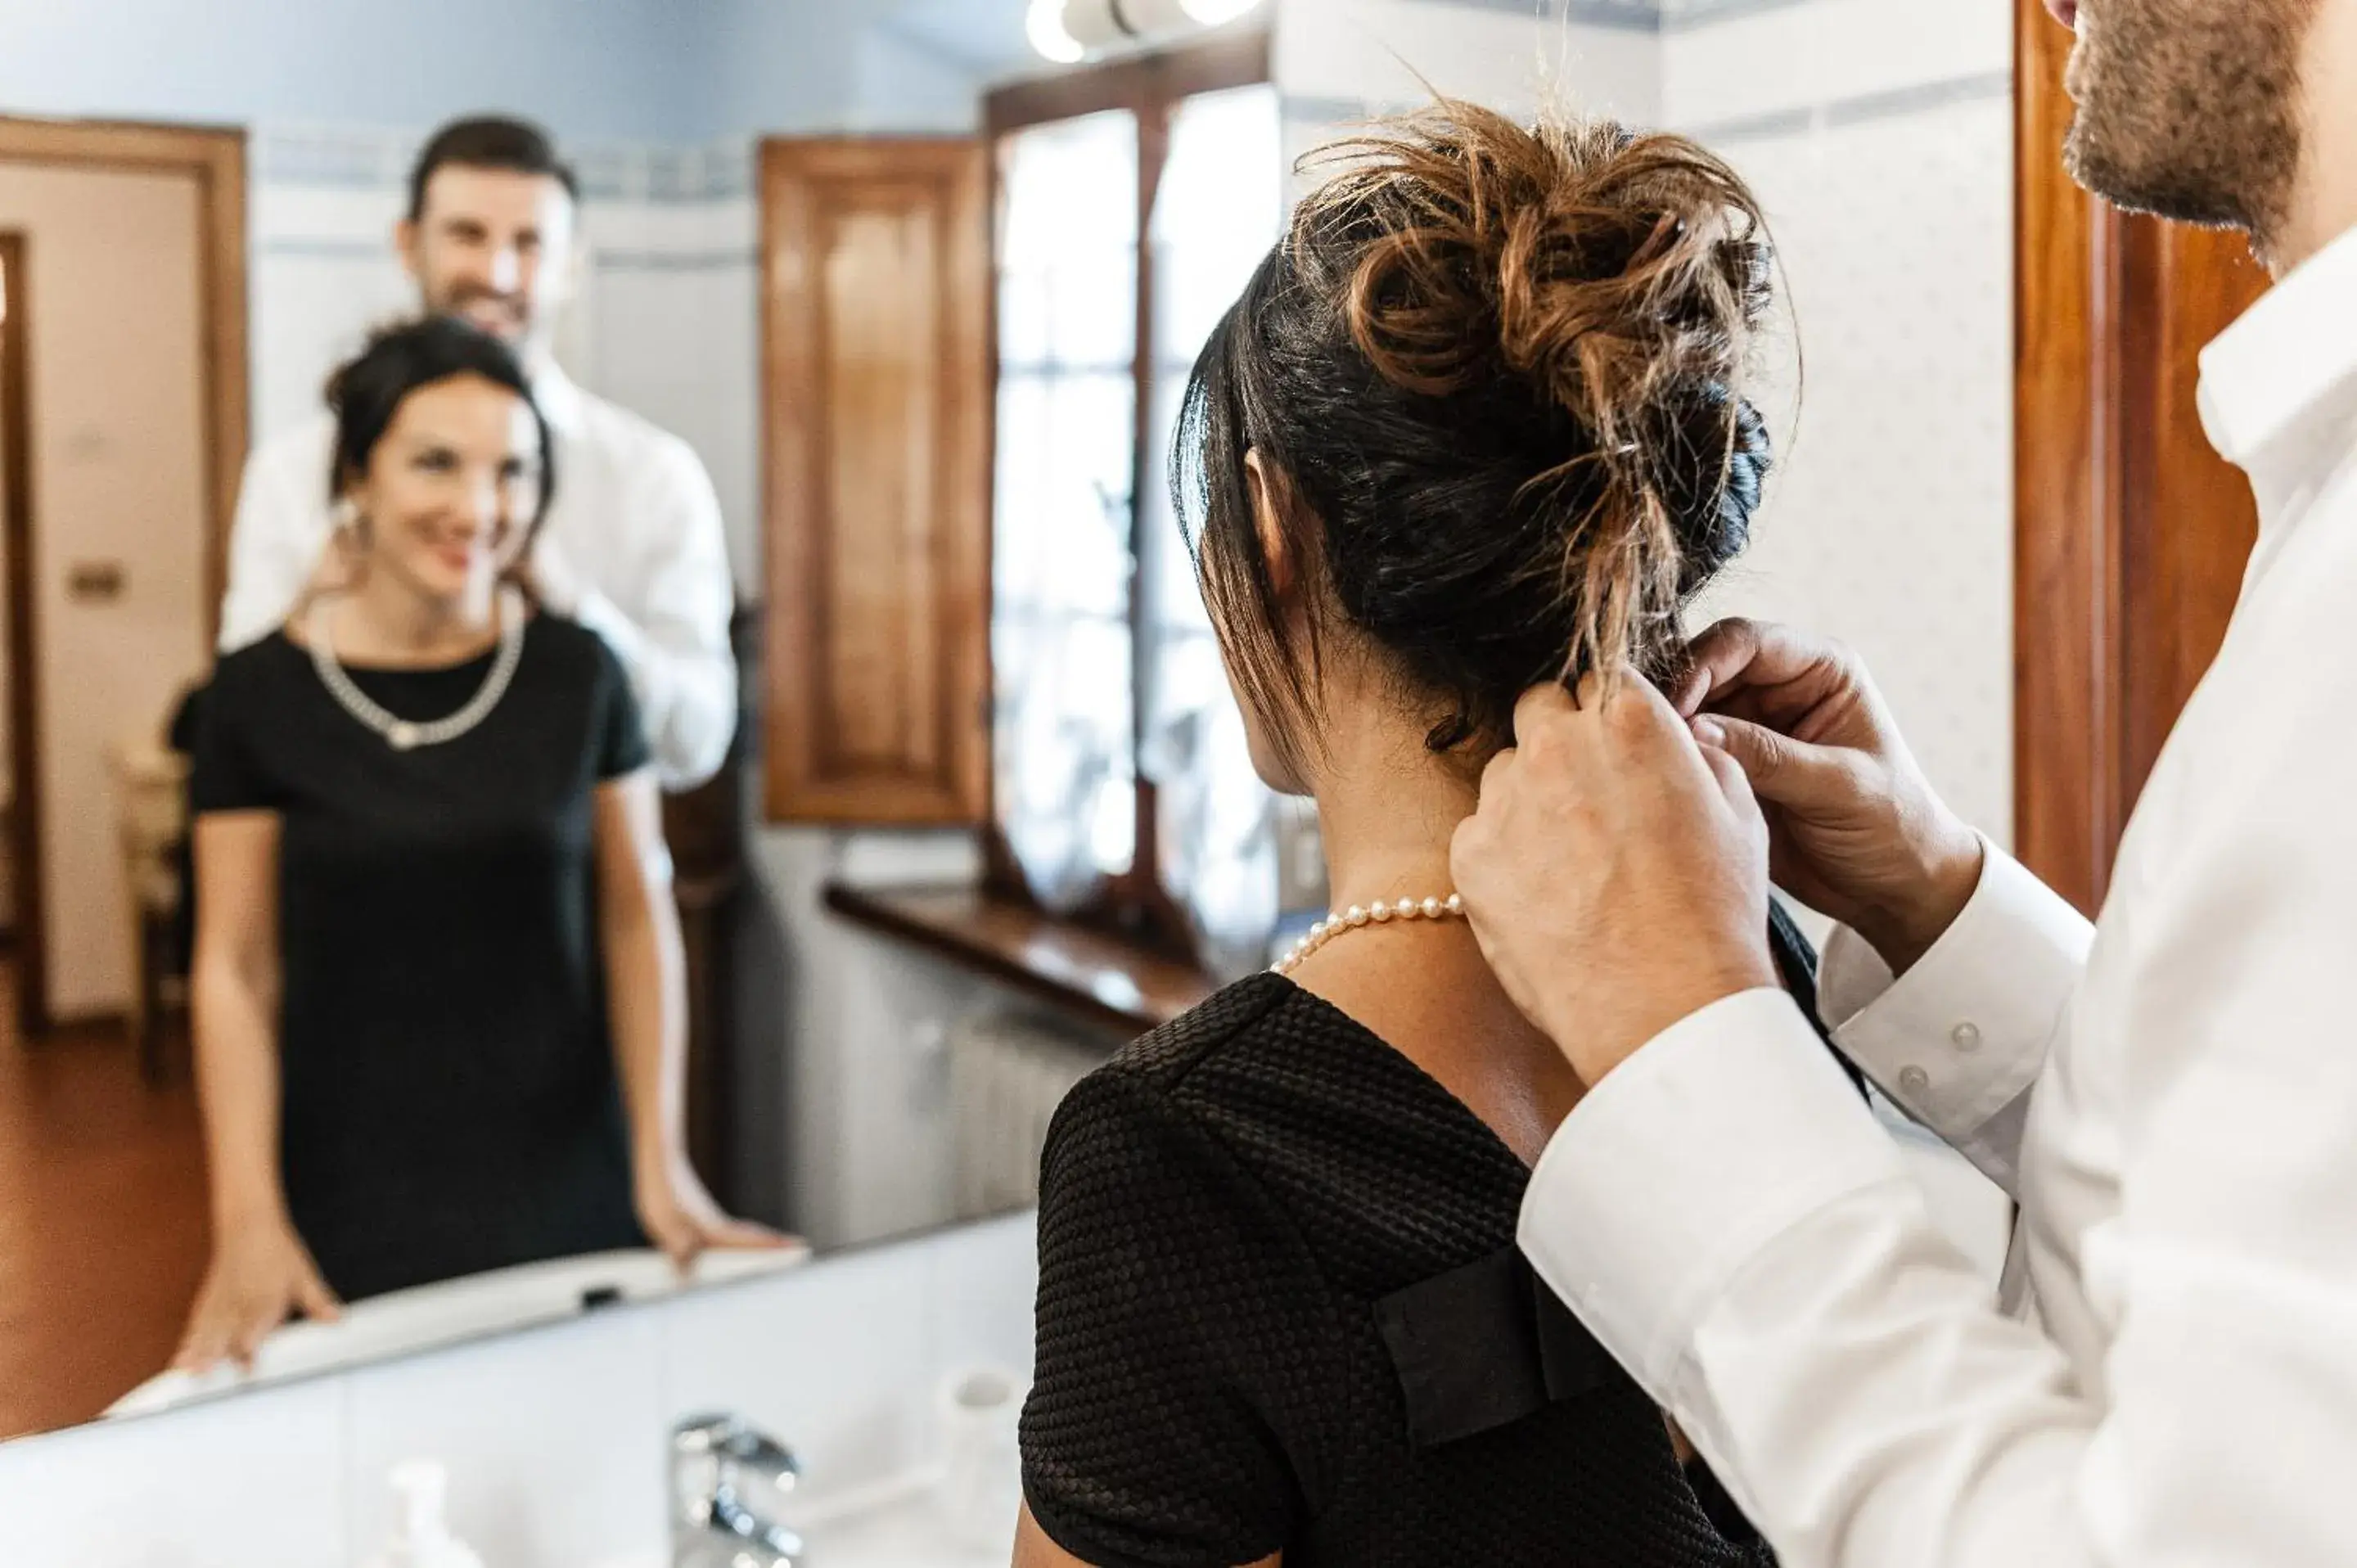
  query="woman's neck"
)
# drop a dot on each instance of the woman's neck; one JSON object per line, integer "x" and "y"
{"x": 1387, "y": 807}
{"x": 385, "y": 621}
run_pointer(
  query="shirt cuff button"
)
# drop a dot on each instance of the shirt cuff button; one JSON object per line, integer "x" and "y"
{"x": 1965, "y": 1037}
{"x": 1914, "y": 1079}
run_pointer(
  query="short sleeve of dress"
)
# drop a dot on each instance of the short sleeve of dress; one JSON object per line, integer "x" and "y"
{"x": 225, "y": 774}
{"x": 622, "y": 736}
{"x": 1156, "y": 1436}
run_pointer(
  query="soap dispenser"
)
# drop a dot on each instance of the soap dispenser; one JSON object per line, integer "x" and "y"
{"x": 421, "y": 1537}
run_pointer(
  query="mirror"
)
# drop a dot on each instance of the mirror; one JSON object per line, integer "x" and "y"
{"x": 416, "y": 932}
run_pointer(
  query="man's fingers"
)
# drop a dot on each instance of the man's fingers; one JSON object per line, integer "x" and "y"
{"x": 1545, "y": 706}
{"x": 1691, "y": 689}
{"x": 1779, "y": 768}
{"x": 1496, "y": 771}
{"x": 1720, "y": 655}
{"x": 1639, "y": 717}
{"x": 1732, "y": 781}
{"x": 1738, "y": 654}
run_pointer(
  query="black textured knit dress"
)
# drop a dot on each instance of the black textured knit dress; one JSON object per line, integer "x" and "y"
{"x": 449, "y": 1101}
{"x": 1281, "y": 1309}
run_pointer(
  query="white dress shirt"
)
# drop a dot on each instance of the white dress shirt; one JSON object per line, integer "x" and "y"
{"x": 2174, "y": 1107}
{"x": 635, "y": 526}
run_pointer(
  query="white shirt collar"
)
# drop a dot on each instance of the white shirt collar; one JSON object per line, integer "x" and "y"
{"x": 2291, "y": 361}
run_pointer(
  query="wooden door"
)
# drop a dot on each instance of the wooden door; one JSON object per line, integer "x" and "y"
{"x": 132, "y": 367}
{"x": 2130, "y": 532}
{"x": 876, "y": 276}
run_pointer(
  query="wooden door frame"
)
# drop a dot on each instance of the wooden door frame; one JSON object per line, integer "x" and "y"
{"x": 2068, "y": 674}
{"x": 215, "y": 159}
{"x": 2131, "y": 534}
{"x": 16, "y": 587}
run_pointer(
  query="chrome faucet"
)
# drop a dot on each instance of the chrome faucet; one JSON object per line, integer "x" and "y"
{"x": 715, "y": 1459}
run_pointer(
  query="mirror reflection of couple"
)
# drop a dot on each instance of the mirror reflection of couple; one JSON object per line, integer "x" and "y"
{"x": 476, "y": 617}
{"x": 1401, "y": 1254}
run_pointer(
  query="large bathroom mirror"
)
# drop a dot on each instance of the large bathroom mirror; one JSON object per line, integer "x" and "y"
{"x": 883, "y": 781}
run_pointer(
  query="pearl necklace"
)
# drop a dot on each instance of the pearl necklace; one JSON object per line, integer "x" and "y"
{"x": 1375, "y": 914}
{"x": 406, "y": 735}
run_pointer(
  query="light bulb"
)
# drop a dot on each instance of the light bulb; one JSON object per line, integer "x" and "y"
{"x": 1044, "y": 25}
{"x": 1216, "y": 13}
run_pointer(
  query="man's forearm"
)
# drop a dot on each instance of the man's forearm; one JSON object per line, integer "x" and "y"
{"x": 686, "y": 693}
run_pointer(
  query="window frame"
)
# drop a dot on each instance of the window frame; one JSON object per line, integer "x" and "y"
{"x": 1136, "y": 904}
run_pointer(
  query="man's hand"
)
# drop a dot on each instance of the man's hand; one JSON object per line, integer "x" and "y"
{"x": 1855, "y": 831}
{"x": 1615, "y": 873}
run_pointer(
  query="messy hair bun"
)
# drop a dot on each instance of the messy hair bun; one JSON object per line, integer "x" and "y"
{"x": 1497, "y": 372}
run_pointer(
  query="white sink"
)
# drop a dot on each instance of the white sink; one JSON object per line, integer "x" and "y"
{"x": 897, "y": 1525}
{"x": 447, "y": 1313}
{"x": 911, "y": 1537}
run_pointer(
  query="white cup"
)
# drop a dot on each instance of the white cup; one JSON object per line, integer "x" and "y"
{"x": 982, "y": 1467}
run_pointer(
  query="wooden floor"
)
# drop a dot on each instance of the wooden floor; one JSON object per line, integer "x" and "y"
{"x": 101, "y": 1221}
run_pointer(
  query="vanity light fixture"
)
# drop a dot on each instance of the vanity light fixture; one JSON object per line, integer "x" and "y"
{"x": 1044, "y": 25}
{"x": 1065, "y": 31}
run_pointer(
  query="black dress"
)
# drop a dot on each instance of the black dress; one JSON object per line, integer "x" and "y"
{"x": 1281, "y": 1309}
{"x": 450, "y": 1097}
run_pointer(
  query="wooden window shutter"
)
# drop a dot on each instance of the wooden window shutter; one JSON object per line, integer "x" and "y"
{"x": 876, "y": 414}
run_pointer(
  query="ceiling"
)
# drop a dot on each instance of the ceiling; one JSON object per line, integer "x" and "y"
{"x": 982, "y": 37}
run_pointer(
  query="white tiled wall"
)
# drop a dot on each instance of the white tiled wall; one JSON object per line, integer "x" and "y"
{"x": 669, "y": 325}
{"x": 1879, "y": 133}
{"x": 555, "y": 1437}
{"x": 1392, "y": 53}
{"x": 1338, "y": 61}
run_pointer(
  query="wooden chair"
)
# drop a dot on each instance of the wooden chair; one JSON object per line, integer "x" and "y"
{"x": 152, "y": 823}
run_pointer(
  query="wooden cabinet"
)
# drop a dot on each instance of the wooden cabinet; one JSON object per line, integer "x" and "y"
{"x": 876, "y": 383}
{"x": 2130, "y": 532}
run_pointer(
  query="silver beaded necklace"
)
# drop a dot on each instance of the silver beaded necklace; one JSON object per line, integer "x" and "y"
{"x": 406, "y": 735}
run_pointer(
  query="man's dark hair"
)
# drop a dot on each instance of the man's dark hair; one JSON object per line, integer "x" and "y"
{"x": 489, "y": 141}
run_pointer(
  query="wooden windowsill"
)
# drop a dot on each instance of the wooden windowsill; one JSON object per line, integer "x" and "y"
{"x": 1097, "y": 977}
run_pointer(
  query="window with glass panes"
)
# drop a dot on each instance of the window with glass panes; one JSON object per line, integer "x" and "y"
{"x": 1133, "y": 205}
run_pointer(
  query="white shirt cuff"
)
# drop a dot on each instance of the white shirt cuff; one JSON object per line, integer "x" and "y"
{"x": 1960, "y": 1037}
{"x": 1718, "y": 1135}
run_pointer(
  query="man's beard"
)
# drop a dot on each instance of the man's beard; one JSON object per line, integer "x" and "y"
{"x": 2190, "y": 109}
{"x": 505, "y": 317}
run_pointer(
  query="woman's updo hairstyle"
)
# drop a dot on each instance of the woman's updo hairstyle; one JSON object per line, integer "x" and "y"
{"x": 1496, "y": 374}
{"x": 367, "y": 392}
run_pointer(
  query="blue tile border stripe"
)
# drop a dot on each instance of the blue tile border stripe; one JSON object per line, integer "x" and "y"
{"x": 364, "y": 159}
{"x": 1316, "y": 113}
{"x": 1863, "y": 109}
{"x": 1638, "y": 16}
